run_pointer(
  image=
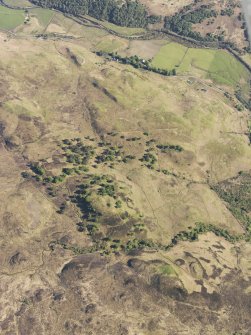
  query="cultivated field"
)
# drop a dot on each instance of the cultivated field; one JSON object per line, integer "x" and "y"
{"x": 10, "y": 19}
{"x": 217, "y": 65}
{"x": 15, "y": 20}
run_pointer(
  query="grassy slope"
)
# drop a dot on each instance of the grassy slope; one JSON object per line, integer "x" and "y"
{"x": 10, "y": 19}
{"x": 110, "y": 44}
{"x": 155, "y": 103}
{"x": 44, "y": 15}
{"x": 225, "y": 69}
{"x": 124, "y": 30}
{"x": 217, "y": 65}
{"x": 170, "y": 55}
{"x": 18, "y": 3}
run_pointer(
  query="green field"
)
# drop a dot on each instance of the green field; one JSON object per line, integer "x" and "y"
{"x": 10, "y": 18}
{"x": 167, "y": 270}
{"x": 170, "y": 55}
{"x": 18, "y": 3}
{"x": 217, "y": 65}
{"x": 109, "y": 45}
{"x": 126, "y": 31}
{"x": 44, "y": 15}
{"x": 225, "y": 69}
{"x": 123, "y": 30}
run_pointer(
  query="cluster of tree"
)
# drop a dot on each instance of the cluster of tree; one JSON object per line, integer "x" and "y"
{"x": 137, "y": 244}
{"x": 149, "y": 160}
{"x": 236, "y": 193}
{"x": 202, "y": 228}
{"x": 110, "y": 154}
{"x": 181, "y": 23}
{"x": 107, "y": 189}
{"x": 150, "y": 142}
{"x": 152, "y": 19}
{"x": 77, "y": 152}
{"x": 130, "y": 13}
{"x": 246, "y": 103}
{"x": 41, "y": 175}
{"x": 169, "y": 173}
{"x": 137, "y": 63}
{"x": 128, "y": 158}
{"x": 200, "y": 14}
{"x": 37, "y": 169}
{"x": 133, "y": 139}
{"x": 227, "y": 12}
{"x": 165, "y": 147}
{"x": 82, "y": 199}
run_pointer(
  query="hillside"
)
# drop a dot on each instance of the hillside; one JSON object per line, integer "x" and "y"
{"x": 125, "y": 186}
{"x": 206, "y": 20}
{"x": 203, "y": 20}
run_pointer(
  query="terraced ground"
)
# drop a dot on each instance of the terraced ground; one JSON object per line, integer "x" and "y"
{"x": 124, "y": 194}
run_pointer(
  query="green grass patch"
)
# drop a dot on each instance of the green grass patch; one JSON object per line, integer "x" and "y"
{"x": 197, "y": 58}
{"x": 217, "y": 65}
{"x": 123, "y": 30}
{"x": 225, "y": 69}
{"x": 11, "y": 18}
{"x": 43, "y": 15}
{"x": 170, "y": 56}
{"x": 167, "y": 270}
{"x": 18, "y": 3}
{"x": 109, "y": 45}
